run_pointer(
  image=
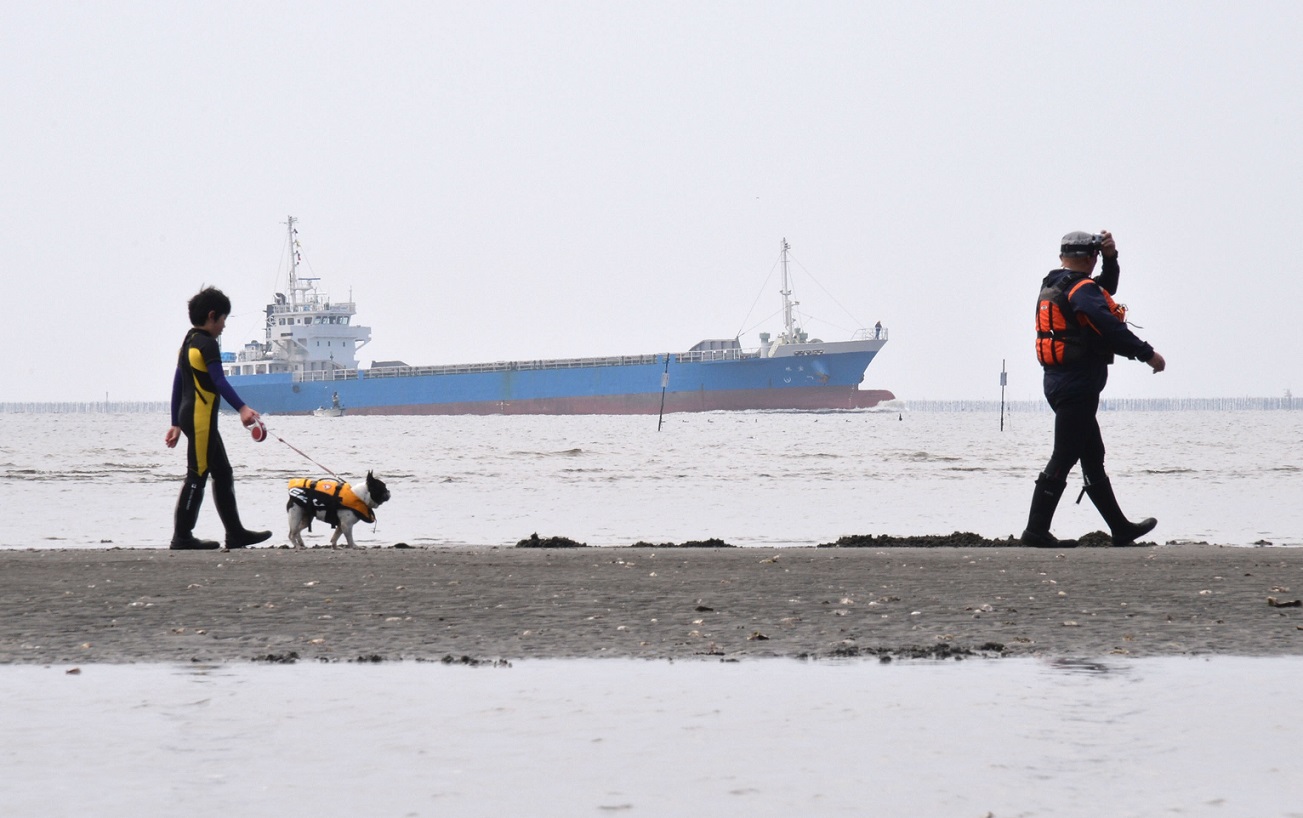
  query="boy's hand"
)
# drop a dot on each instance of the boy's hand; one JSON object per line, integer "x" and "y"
{"x": 248, "y": 415}
{"x": 173, "y": 435}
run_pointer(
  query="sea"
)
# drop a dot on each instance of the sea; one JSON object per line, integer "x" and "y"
{"x": 763, "y": 479}
{"x": 997, "y": 738}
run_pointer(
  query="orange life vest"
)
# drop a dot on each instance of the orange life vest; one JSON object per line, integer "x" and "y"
{"x": 1061, "y": 336}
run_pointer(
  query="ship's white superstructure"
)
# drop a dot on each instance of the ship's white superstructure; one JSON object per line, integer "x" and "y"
{"x": 306, "y": 331}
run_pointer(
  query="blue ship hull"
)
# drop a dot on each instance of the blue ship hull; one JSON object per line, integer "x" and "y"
{"x": 818, "y": 379}
{"x": 306, "y": 363}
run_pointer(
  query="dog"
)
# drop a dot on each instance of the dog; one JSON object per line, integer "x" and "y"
{"x": 335, "y": 502}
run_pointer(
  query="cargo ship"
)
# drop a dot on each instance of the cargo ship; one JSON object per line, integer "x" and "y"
{"x": 307, "y": 362}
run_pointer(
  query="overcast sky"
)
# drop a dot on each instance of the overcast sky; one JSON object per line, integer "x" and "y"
{"x": 495, "y": 180}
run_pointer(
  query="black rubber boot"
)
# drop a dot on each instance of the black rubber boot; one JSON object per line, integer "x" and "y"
{"x": 237, "y": 536}
{"x": 1124, "y": 531}
{"x": 187, "y": 514}
{"x": 1044, "y": 501}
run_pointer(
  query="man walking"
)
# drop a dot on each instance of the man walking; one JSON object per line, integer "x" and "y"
{"x": 1079, "y": 329}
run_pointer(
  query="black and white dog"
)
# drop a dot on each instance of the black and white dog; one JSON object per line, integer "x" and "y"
{"x": 335, "y": 502}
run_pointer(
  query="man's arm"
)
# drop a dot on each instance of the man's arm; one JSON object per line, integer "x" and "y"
{"x": 1089, "y": 302}
{"x": 1108, "y": 276}
{"x": 1109, "y": 272}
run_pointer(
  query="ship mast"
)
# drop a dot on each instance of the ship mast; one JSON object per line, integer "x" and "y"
{"x": 294, "y": 260}
{"x": 789, "y": 333}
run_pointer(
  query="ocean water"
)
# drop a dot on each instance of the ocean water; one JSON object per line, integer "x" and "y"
{"x": 747, "y": 478}
{"x": 768, "y": 479}
{"x": 998, "y": 738}
{"x": 1001, "y": 738}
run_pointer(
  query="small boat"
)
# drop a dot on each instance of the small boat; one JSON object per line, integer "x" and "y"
{"x": 334, "y": 410}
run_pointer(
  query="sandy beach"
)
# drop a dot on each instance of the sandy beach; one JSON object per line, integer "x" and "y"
{"x": 487, "y": 604}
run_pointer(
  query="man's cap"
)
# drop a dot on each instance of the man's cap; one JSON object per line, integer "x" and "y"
{"x": 1078, "y": 244}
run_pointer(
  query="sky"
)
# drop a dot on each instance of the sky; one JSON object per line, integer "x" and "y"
{"x": 499, "y": 180}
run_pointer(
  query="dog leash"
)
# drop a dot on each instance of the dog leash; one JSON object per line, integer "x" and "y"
{"x": 309, "y": 459}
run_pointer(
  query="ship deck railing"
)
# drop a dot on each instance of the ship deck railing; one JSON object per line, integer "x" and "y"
{"x": 523, "y": 366}
{"x": 347, "y": 307}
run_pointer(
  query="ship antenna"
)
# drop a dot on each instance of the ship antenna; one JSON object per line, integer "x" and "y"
{"x": 294, "y": 260}
{"x": 789, "y": 335}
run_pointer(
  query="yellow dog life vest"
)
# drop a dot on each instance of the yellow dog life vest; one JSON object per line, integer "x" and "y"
{"x": 328, "y": 496}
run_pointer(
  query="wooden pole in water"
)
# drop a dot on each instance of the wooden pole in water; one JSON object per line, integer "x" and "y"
{"x": 665, "y": 382}
{"x": 1004, "y": 378}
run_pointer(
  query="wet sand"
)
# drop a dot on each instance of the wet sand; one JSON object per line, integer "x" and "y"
{"x": 487, "y": 604}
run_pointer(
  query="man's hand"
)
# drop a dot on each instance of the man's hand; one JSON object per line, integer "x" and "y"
{"x": 1109, "y": 247}
{"x": 173, "y": 435}
{"x": 247, "y": 415}
{"x": 1157, "y": 363}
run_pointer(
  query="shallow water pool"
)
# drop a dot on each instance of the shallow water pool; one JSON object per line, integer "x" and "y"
{"x": 1013, "y": 737}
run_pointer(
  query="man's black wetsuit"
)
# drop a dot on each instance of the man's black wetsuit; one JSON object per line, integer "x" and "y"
{"x": 1073, "y": 390}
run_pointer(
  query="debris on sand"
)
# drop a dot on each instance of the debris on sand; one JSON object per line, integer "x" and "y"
{"x": 942, "y": 650}
{"x": 710, "y": 543}
{"x": 471, "y": 661}
{"x": 959, "y": 539}
{"x": 534, "y": 541}
{"x": 1101, "y": 539}
{"x": 287, "y": 658}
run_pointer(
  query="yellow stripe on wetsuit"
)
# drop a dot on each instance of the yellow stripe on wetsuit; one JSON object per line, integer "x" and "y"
{"x": 203, "y": 410}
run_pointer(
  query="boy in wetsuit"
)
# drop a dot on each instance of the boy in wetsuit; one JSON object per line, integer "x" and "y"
{"x": 196, "y": 387}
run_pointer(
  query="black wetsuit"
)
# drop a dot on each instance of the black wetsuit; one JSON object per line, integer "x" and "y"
{"x": 1073, "y": 389}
